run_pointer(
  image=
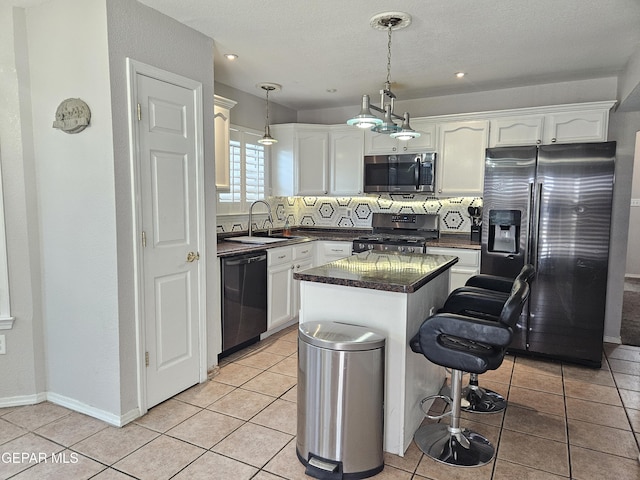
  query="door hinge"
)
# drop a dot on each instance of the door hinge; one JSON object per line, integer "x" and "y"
{"x": 146, "y": 359}
{"x": 144, "y": 238}
{"x": 139, "y": 111}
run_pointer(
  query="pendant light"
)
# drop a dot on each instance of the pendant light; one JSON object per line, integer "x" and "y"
{"x": 388, "y": 21}
{"x": 267, "y": 139}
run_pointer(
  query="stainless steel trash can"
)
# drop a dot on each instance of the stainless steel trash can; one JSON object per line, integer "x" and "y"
{"x": 340, "y": 400}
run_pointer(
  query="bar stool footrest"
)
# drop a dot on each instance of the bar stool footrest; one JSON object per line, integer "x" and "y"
{"x": 446, "y": 399}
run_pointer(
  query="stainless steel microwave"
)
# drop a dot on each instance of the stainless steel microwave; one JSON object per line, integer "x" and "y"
{"x": 406, "y": 173}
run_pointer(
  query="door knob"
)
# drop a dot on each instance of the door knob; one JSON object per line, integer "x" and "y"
{"x": 191, "y": 256}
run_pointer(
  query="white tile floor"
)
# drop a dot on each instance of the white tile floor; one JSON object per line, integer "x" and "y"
{"x": 563, "y": 421}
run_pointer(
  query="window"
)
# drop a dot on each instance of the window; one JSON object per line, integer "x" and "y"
{"x": 247, "y": 172}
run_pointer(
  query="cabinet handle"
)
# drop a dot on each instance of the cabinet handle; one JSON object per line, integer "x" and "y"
{"x": 553, "y": 140}
{"x": 405, "y": 148}
{"x": 538, "y": 141}
{"x": 281, "y": 256}
{"x": 393, "y": 149}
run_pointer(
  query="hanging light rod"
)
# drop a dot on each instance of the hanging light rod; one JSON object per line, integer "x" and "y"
{"x": 388, "y": 21}
{"x": 267, "y": 139}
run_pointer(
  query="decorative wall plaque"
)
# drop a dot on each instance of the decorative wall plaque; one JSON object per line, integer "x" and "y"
{"x": 72, "y": 116}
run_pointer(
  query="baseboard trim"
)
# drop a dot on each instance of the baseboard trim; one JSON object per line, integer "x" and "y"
{"x": 108, "y": 417}
{"x": 632, "y": 276}
{"x": 21, "y": 400}
{"x": 617, "y": 340}
{"x": 71, "y": 404}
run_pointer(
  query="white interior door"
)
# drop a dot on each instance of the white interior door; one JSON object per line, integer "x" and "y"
{"x": 169, "y": 217}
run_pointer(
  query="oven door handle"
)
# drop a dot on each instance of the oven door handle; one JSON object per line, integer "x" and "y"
{"x": 417, "y": 173}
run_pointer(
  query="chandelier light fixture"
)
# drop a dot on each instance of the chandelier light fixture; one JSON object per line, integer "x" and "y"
{"x": 388, "y": 21}
{"x": 267, "y": 139}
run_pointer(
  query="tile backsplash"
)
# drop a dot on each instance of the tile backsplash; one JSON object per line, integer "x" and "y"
{"x": 356, "y": 212}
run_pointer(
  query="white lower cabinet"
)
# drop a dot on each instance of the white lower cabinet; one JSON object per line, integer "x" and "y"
{"x": 328, "y": 251}
{"x": 283, "y": 292}
{"x": 467, "y": 266}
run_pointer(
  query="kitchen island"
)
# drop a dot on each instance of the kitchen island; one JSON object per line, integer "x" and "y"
{"x": 391, "y": 294}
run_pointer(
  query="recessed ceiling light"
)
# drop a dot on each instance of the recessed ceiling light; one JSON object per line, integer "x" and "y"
{"x": 230, "y": 56}
{"x": 460, "y": 74}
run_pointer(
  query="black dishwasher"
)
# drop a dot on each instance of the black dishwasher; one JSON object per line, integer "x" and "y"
{"x": 244, "y": 300}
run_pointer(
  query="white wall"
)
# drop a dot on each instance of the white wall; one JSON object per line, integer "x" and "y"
{"x": 22, "y": 368}
{"x": 532, "y": 96}
{"x": 629, "y": 84}
{"x": 250, "y": 110}
{"x": 68, "y": 197}
{"x": 622, "y": 128}
{"x": 633, "y": 242}
{"x": 76, "y": 201}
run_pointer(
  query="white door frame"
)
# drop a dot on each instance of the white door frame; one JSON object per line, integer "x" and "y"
{"x": 134, "y": 68}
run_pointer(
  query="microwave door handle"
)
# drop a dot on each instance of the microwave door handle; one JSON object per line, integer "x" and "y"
{"x": 417, "y": 173}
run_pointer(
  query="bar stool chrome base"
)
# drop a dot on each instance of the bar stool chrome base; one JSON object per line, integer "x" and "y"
{"x": 457, "y": 447}
{"x": 482, "y": 400}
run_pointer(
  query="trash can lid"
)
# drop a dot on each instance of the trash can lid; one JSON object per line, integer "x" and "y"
{"x": 340, "y": 336}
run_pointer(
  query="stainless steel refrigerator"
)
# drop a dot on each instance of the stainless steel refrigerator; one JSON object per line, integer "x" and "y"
{"x": 550, "y": 205}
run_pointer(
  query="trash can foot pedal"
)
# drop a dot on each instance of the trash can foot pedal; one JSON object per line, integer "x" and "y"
{"x": 322, "y": 465}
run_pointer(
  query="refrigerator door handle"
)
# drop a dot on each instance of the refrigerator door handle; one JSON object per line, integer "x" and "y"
{"x": 536, "y": 225}
{"x": 530, "y": 230}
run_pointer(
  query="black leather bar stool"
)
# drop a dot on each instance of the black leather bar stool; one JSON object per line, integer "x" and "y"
{"x": 483, "y": 296}
{"x": 464, "y": 344}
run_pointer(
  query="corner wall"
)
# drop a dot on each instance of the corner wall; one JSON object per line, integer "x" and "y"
{"x": 633, "y": 241}
{"x": 22, "y": 367}
{"x": 250, "y": 110}
{"x": 74, "y": 179}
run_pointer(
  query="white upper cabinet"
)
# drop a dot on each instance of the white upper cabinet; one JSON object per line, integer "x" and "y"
{"x": 510, "y": 131}
{"x": 312, "y": 160}
{"x": 573, "y": 127}
{"x": 383, "y": 144}
{"x": 316, "y": 160}
{"x": 221, "y": 122}
{"x": 559, "y": 124}
{"x": 460, "y": 165}
{"x": 346, "y": 152}
{"x": 300, "y": 160}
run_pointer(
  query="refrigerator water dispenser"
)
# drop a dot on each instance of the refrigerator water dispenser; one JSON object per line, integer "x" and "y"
{"x": 504, "y": 231}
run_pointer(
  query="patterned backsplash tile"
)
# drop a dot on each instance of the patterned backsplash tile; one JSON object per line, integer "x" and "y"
{"x": 356, "y": 212}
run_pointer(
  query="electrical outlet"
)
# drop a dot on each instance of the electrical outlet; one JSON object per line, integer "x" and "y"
{"x": 3, "y": 345}
{"x": 635, "y": 202}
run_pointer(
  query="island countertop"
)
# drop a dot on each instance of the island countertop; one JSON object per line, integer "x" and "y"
{"x": 391, "y": 272}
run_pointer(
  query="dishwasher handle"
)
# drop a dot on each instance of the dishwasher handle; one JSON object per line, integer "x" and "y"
{"x": 245, "y": 260}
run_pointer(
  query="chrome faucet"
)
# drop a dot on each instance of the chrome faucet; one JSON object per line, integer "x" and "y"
{"x": 251, "y": 214}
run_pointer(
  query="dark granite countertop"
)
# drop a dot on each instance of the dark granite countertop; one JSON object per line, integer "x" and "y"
{"x": 227, "y": 249}
{"x": 454, "y": 240}
{"x": 301, "y": 234}
{"x": 404, "y": 273}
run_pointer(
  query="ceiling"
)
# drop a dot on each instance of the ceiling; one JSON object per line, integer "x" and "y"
{"x": 312, "y": 46}
{"x": 324, "y": 53}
